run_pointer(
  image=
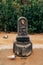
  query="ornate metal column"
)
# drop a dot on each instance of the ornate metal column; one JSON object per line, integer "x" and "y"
{"x": 22, "y": 46}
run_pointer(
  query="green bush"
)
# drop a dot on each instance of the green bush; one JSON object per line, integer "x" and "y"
{"x": 11, "y": 10}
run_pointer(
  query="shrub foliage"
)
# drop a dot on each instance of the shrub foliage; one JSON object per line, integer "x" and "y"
{"x": 11, "y": 10}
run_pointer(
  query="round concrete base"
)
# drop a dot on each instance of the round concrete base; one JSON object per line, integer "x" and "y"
{"x": 22, "y": 50}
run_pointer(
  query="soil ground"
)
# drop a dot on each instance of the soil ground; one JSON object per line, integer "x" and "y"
{"x": 35, "y": 38}
{"x": 36, "y": 58}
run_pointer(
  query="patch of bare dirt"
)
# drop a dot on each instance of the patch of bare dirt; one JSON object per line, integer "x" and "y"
{"x": 35, "y": 38}
{"x": 35, "y": 59}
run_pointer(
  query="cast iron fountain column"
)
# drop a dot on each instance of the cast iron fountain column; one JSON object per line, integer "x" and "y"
{"x": 22, "y": 46}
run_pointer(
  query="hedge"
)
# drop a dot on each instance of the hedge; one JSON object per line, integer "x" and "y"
{"x": 11, "y": 10}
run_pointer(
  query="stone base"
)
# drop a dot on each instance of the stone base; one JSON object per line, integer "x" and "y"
{"x": 22, "y": 50}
